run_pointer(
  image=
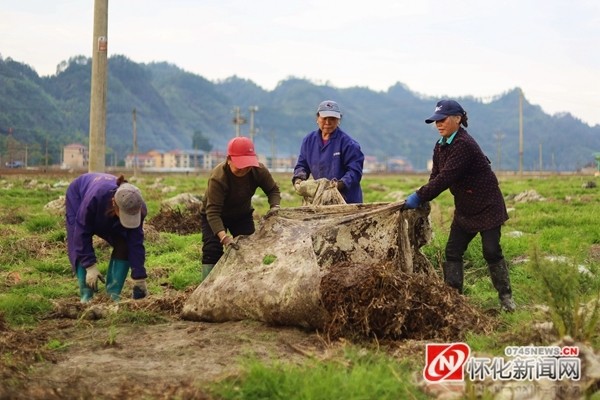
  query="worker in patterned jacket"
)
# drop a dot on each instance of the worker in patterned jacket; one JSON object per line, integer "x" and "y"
{"x": 460, "y": 165}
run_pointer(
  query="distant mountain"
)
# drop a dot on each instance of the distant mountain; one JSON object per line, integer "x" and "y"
{"x": 172, "y": 105}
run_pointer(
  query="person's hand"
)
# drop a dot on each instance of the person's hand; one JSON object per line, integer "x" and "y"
{"x": 340, "y": 186}
{"x": 297, "y": 183}
{"x": 412, "y": 201}
{"x": 140, "y": 290}
{"x": 92, "y": 275}
{"x": 272, "y": 211}
{"x": 228, "y": 241}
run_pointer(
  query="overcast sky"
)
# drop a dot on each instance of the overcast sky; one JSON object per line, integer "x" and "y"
{"x": 482, "y": 48}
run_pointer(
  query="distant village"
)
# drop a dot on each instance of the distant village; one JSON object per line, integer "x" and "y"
{"x": 76, "y": 156}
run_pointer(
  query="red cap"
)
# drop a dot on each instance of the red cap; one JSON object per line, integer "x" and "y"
{"x": 241, "y": 151}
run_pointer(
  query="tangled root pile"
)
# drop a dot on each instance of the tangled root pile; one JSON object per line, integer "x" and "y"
{"x": 366, "y": 301}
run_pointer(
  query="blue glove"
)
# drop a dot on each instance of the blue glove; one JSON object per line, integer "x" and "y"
{"x": 412, "y": 201}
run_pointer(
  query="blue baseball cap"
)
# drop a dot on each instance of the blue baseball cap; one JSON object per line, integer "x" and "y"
{"x": 444, "y": 108}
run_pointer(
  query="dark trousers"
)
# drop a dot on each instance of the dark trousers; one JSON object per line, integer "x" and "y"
{"x": 459, "y": 240}
{"x": 120, "y": 250}
{"x": 212, "y": 249}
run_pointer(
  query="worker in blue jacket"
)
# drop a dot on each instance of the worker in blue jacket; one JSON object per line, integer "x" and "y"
{"x": 331, "y": 153}
{"x": 114, "y": 210}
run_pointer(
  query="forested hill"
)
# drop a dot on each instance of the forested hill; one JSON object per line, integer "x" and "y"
{"x": 173, "y": 106}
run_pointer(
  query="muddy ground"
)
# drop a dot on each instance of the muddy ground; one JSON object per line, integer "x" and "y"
{"x": 171, "y": 358}
{"x": 101, "y": 352}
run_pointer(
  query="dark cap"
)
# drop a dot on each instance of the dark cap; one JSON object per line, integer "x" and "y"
{"x": 444, "y": 108}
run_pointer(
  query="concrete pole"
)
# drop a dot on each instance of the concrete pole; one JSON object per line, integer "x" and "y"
{"x": 252, "y": 110}
{"x": 541, "y": 159}
{"x": 237, "y": 121}
{"x": 99, "y": 88}
{"x": 135, "y": 157}
{"x": 520, "y": 132}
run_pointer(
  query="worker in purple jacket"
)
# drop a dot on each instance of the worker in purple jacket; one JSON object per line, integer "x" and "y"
{"x": 331, "y": 153}
{"x": 109, "y": 207}
{"x": 461, "y": 166}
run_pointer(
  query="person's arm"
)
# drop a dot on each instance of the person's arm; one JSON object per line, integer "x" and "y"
{"x": 83, "y": 233}
{"x": 302, "y": 169}
{"x": 453, "y": 170}
{"x": 137, "y": 250}
{"x": 353, "y": 164}
{"x": 215, "y": 201}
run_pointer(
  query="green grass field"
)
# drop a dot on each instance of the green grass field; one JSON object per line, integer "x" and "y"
{"x": 552, "y": 244}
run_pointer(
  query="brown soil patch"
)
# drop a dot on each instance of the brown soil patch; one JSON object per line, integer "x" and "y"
{"x": 102, "y": 352}
{"x": 106, "y": 358}
{"x": 179, "y": 220}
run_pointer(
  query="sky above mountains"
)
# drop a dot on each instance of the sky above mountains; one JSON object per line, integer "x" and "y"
{"x": 480, "y": 48}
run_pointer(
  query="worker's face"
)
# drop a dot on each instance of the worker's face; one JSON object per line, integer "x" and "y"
{"x": 448, "y": 125}
{"x": 238, "y": 171}
{"x": 327, "y": 124}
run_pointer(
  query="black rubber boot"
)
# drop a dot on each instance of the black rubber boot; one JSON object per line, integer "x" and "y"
{"x": 453, "y": 274}
{"x": 501, "y": 281}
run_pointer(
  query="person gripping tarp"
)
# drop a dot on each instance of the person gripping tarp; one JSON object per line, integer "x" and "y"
{"x": 275, "y": 276}
{"x": 319, "y": 192}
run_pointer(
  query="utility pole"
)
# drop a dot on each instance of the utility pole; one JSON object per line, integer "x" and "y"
{"x": 520, "y": 132}
{"x": 499, "y": 137}
{"x": 273, "y": 150}
{"x": 252, "y": 110}
{"x": 238, "y": 120}
{"x": 10, "y": 145}
{"x": 541, "y": 159}
{"x": 135, "y": 161}
{"x": 98, "y": 89}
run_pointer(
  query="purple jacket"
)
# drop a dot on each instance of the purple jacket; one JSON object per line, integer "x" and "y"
{"x": 88, "y": 200}
{"x": 463, "y": 168}
{"x": 340, "y": 158}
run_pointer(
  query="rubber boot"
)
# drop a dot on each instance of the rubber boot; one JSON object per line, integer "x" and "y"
{"x": 85, "y": 292}
{"x": 501, "y": 281}
{"x": 115, "y": 277}
{"x": 453, "y": 275}
{"x": 206, "y": 268}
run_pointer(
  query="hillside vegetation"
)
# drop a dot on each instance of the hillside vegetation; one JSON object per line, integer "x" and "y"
{"x": 172, "y": 106}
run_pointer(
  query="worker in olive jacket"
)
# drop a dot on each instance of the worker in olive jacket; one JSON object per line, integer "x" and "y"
{"x": 227, "y": 204}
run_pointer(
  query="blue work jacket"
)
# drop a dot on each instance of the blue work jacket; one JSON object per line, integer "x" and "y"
{"x": 339, "y": 158}
{"x": 87, "y": 204}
